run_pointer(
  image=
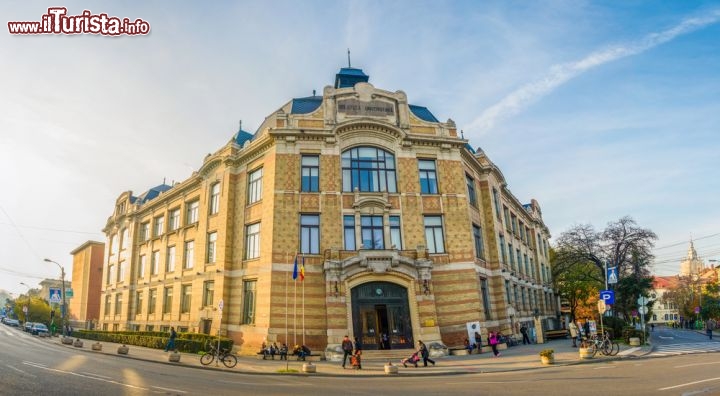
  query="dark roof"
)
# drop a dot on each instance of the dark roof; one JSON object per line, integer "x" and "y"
{"x": 242, "y": 136}
{"x": 423, "y": 113}
{"x": 469, "y": 147}
{"x": 153, "y": 193}
{"x": 305, "y": 105}
{"x": 349, "y": 76}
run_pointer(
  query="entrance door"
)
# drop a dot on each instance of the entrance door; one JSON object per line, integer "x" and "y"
{"x": 381, "y": 316}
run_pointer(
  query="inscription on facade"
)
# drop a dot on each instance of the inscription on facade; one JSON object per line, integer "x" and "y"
{"x": 373, "y": 108}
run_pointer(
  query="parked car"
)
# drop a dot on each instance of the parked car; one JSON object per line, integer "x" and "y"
{"x": 12, "y": 322}
{"x": 39, "y": 329}
{"x": 28, "y": 326}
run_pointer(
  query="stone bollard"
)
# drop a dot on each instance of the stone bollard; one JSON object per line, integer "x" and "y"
{"x": 391, "y": 368}
{"x": 174, "y": 356}
{"x": 66, "y": 340}
{"x": 308, "y": 367}
{"x": 123, "y": 350}
{"x": 585, "y": 353}
{"x": 634, "y": 341}
{"x": 78, "y": 343}
{"x": 96, "y": 346}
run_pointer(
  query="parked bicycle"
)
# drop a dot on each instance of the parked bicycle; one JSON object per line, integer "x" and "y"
{"x": 225, "y": 356}
{"x": 603, "y": 344}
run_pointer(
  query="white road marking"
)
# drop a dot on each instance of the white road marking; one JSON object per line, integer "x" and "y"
{"x": 96, "y": 375}
{"x": 20, "y": 371}
{"x": 666, "y": 338}
{"x": 603, "y": 367}
{"x": 628, "y": 351}
{"x": 34, "y": 364}
{"x": 168, "y": 389}
{"x": 696, "y": 364}
{"x": 690, "y": 383}
{"x": 83, "y": 375}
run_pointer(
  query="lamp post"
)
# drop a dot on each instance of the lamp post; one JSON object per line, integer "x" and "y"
{"x": 26, "y": 312}
{"x": 64, "y": 307}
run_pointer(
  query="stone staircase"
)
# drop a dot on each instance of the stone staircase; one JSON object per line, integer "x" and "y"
{"x": 387, "y": 355}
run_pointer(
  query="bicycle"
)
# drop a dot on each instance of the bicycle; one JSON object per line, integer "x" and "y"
{"x": 225, "y": 356}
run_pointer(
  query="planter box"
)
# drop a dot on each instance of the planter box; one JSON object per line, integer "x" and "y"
{"x": 547, "y": 359}
{"x": 96, "y": 346}
{"x": 458, "y": 352}
{"x": 634, "y": 341}
{"x": 391, "y": 369}
{"x": 585, "y": 353}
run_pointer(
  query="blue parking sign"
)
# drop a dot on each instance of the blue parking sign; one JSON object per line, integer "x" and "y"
{"x": 608, "y": 296}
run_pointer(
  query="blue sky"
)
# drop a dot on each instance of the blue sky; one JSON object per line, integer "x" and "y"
{"x": 596, "y": 109}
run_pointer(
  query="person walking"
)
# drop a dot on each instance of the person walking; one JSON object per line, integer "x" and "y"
{"x": 524, "y": 332}
{"x": 478, "y": 342}
{"x": 171, "y": 341}
{"x": 347, "y": 347}
{"x": 424, "y": 353}
{"x": 493, "y": 341}
{"x": 709, "y": 328}
{"x": 358, "y": 353}
{"x": 573, "y": 333}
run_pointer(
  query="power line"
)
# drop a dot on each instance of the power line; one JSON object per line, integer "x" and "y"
{"x": 20, "y": 233}
{"x": 684, "y": 242}
{"x": 52, "y": 229}
{"x": 26, "y": 275}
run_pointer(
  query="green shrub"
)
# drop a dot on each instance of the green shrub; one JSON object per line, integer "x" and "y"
{"x": 185, "y": 342}
{"x": 630, "y": 332}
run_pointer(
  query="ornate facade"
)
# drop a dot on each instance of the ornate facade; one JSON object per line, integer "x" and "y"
{"x": 398, "y": 226}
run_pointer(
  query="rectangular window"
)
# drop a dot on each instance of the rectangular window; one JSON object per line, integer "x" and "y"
{"x": 158, "y": 226}
{"x": 309, "y": 234}
{"x": 252, "y": 241}
{"x": 527, "y": 264}
{"x": 513, "y": 224}
{"x": 485, "y": 298}
{"x": 502, "y": 249}
{"x": 215, "y": 198}
{"x": 428, "y": 176}
{"x": 121, "y": 272}
{"x": 255, "y": 186}
{"x": 167, "y": 300}
{"x": 506, "y": 212}
{"x": 249, "y": 301}
{"x": 144, "y": 231}
{"x": 524, "y": 300}
{"x": 349, "y": 232}
{"x": 477, "y": 238}
{"x": 208, "y": 293}
{"x": 186, "y": 298}
{"x": 496, "y": 200}
{"x": 211, "y": 247}
{"x": 170, "y": 259}
{"x": 155, "y": 262}
{"x": 138, "y": 303}
{"x": 515, "y": 295}
{"x": 111, "y": 274}
{"x": 152, "y": 301}
{"x": 191, "y": 215}
{"x": 174, "y": 221}
{"x": 507, "y": 292}
{"x": 395, "y": 233}
{"x": 141, "y": 266}
{"x": 434, "y": 234}
{"x": 511, "y": 253}
{"x": 472, "y": 196}
{"x": 371, "y": 231}
{"x": 125, "y": 239}
{"x": 189, "y": 254}
{"x": 107, "y": 305}
{"x": 118, "y": 303}
{"x": 519, "y": 260}
{"x": 310, "y": 173}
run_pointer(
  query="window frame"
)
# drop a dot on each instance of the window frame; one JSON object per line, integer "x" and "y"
{"x": 349, "y": 233}
{"x": 192, "y": 212}
{"x": 478, "y": 241}
{"x": 433, "y": 229}
{"x": 185, "y": 298}
{"x": 395, "y": 225}
{"x": 368, "y": 174}
{"x": 309, "y": 233}
{"x": 313, "y": 173}
{"x": 152, "y": 301}
{"x": 214, "y": 201}
{"x": 427, "y": 176}
{"x": 167, "y": 299}
{"x": 252, "y": 241}
{"x": 211, "y": 251}
{"x": 374, "y": 229}
{"x": 255, "y": 186}
{"x": 249, "y": 301}
{"x": 189, "y": 254}
{"x": 472, "y": 193}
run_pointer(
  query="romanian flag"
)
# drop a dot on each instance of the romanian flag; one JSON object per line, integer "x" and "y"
{"x": 302, "y": 269}
{"x": 295, "y": 270}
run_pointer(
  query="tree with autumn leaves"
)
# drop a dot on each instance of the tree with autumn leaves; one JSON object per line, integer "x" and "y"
{"x": 579, "y": 258}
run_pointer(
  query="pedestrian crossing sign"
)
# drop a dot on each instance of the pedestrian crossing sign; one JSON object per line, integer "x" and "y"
{"x": 55, "y": 295}
{"x": 612, "y": 275}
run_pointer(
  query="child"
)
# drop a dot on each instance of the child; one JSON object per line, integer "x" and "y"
{"x": 413, "y": 359}
{"x": 355, "y": 359}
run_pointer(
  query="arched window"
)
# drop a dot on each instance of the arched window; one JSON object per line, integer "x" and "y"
{"x": 368, "y": 169}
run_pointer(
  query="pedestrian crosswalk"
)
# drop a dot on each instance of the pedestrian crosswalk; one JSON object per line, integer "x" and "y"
{"x": 681, "y": 349}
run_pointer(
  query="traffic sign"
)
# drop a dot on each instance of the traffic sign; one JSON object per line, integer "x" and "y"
{"x": 68, "y": 292}
{"x": 25, "y": 309}
{"x": 697, "y": 310}
{"x": 602, "y": 307}
{"x": 643, "y": 310}
{"x": 55, "y": 295}
{"x": 607, "y": 296}
{"x": 642, "y": 300}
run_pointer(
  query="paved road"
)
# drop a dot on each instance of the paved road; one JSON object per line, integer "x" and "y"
{"x": 32, "y": 366}
{"x": 668, "y": 341}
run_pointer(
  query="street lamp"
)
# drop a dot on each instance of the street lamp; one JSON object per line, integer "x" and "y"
{"x": 64, "y": 307}
{"x": 26, "y": 312}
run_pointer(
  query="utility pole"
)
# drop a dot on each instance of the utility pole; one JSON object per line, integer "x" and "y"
{"x": 64, "y": 306}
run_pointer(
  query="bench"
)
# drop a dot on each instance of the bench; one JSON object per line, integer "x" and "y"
{"x": 550, "y": 334}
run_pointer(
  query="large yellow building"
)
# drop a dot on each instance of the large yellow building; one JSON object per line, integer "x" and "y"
{"x": 404, "y": 231}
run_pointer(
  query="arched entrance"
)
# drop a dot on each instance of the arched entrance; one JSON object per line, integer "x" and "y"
{"x": 381, "y": 316}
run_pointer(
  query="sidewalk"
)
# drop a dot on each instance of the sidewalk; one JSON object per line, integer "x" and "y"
{"x": 517, "y": 358}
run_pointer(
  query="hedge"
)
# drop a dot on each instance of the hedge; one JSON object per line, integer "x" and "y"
{"x": 185, "y": 342}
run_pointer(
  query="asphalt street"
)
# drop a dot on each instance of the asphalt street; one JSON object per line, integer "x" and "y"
{"x": 33, "y": 366}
